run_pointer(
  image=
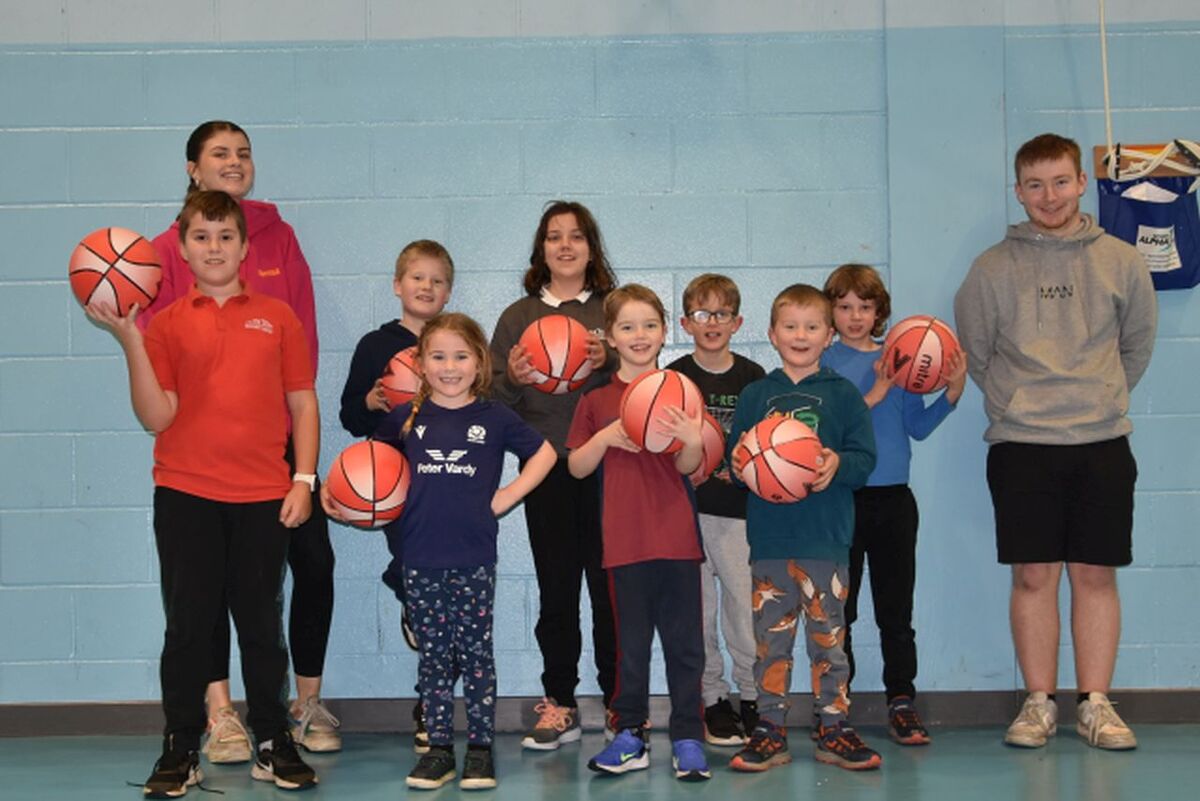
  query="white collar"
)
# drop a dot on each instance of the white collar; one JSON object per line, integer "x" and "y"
{"x": 554, "y": 302}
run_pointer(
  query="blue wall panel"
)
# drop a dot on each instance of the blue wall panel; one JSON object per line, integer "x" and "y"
{"x": 770, "y": 157}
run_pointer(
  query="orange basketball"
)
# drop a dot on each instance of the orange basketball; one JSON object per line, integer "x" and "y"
{"x": 778, "y": 459}
{"x": 917, "y": 351}
{"x": 368, "y": 483}
{"x": 557, "y": 346}
{"x": 643, "y": 402}
{"x": 401, "y": 378}
{"x": 714, "y": 450}
{"x": 116, "y": 268}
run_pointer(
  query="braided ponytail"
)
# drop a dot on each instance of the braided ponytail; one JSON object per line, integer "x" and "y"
{"x": 421, "y": 396}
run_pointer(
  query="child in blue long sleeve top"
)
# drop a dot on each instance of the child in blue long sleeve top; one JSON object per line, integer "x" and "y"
{"x": 799, "y": 552}
{"x": 885, "y": 521}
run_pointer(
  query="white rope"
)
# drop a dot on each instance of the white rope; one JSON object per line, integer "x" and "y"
{"x": 1141, "y": 162}
{"x": 1112, "y": 162}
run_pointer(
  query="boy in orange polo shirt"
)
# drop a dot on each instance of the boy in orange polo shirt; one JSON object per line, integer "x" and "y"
{"x": 216, "y": 378}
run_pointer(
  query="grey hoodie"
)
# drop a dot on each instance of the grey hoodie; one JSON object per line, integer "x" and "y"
{"x": 1057, "y": 332}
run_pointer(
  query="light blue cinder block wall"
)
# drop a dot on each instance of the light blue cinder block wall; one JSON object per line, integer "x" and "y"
{"x": 770, "y": 140}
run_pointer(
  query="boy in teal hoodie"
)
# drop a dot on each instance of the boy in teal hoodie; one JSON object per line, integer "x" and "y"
{"x": 800, "y": 552}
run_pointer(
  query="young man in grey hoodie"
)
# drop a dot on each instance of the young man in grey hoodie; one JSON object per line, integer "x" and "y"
{"x": 1058, "y": 322}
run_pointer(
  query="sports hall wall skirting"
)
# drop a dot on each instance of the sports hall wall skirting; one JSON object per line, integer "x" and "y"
{"x": 379, "y": 715}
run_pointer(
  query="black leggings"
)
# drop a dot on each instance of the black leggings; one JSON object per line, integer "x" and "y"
{"x": 885, "y": 534}
{"x": 310, "y": 556}
{"x": 563, "y": 517}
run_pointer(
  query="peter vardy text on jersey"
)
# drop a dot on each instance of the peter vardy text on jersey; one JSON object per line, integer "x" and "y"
{"x": 447, "y": 468}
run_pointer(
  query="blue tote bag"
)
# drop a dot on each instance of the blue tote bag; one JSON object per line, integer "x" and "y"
{"x": 1159, "y": 217}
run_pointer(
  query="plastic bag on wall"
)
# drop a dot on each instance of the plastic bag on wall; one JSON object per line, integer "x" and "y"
{"x": 1159, "y": 217}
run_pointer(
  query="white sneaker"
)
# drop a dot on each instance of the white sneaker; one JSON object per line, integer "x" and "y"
{"x": 1037, "y": 722}
{"x": 316, "y": 727}
{"x": 228, "y": 741}
{"x": 1101, "y": 726}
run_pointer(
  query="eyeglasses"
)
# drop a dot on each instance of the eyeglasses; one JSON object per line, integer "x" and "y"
{"x": 702, "y": 316}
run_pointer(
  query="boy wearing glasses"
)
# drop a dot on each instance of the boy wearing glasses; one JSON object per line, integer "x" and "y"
{"x": 711, "y": 303}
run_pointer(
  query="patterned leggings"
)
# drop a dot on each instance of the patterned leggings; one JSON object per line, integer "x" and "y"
{"x": 451, "y": 610}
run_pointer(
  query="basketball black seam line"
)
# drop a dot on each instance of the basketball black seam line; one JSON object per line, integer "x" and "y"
{"x": 653, "y": 400}
{"x": 346, "y": 476}
{"x": 374, "y": 489}
{"x": 913, "y": 362}
{"x": 775, "y": 476}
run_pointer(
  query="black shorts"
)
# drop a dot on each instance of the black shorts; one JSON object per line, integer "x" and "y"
{"x": 1063, "y": 503}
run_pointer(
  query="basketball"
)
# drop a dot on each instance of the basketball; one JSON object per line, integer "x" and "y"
{"x": 557, "y": 346}
{"x": 115, "y": 268}
{"x": 713, "y": 439}
{"x": 917, "y": 351}
{"x": 644, "y": 400}
{"x": 401, "y": 378}
{"x": 778, "y": 459}
{"x": 368, "y": 484}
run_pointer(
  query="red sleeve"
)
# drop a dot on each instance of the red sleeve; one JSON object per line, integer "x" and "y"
{"x": 176, "y": 276}
{"x": 297, "y": 368}
{"x": 583, "y": 424}
{"x": 157, "y": 349}
{"x": 300, "y": 292}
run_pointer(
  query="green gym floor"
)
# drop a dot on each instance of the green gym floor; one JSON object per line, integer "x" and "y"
{"x": 962, "y": 764}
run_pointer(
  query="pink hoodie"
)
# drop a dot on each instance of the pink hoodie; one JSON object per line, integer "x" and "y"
{"x": 274, "y": 265}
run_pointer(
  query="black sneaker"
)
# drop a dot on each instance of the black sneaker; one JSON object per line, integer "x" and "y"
{"x": 479, "y": 772}
{"x": 904, "y": 724}
{"x": 721, "y": 724}
{"x": 433, "y": 769}
{"x": 278, "y": 761}
{"x": 173, "y": 773}
{"x": 840, "y": 745}
{"x": 748, "y": 712}
{"x": 766, "y": 749}
{"x": 420, "y": 733}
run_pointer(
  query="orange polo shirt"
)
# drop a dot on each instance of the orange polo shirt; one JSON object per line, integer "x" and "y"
{"x": 230, "y": 366}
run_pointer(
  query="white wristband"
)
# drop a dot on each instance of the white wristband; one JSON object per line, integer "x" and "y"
{"x": 307, "y": 478}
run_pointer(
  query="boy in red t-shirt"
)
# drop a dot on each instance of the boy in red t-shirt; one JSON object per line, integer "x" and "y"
{"x": 651, "y": 543}
{"x": 216, "y": 377}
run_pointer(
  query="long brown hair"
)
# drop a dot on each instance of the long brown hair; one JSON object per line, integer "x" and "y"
{"x": 472, "y": 334}
{"x": 599, "y": 277}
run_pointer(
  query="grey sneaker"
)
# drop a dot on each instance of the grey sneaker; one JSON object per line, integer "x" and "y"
{"x": 555, "y": 725}
{"x": 316, "y": 727}
{"x": 1101, "y": 726}
{"x": 1037, "y": 722}
{"x": 228, "y": 741}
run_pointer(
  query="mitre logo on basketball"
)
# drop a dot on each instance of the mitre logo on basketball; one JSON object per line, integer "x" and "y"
{"x": 446, "y": 463}
{"x": 260, "y": 324}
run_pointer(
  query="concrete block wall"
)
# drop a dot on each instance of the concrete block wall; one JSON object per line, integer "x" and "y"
{"x": 771, "y": 142}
